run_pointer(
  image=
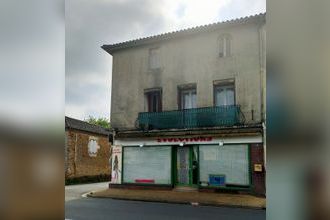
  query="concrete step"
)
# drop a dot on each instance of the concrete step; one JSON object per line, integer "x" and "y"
{"x": 185, "y": 189}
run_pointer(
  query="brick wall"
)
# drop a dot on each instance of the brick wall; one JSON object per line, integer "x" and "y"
{"x": 80, "y": 161}
{"x": 258, "y": 178}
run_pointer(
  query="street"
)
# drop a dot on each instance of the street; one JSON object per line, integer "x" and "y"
{"x": 75, "y": 191}
{"x": 78, "y": 208}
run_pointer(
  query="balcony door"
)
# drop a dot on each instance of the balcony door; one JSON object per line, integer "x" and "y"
{"x": 188, "y": 98}
{"x": 224, "y": 95}
{"x": 187, "y": 103}
{"x": 224, "y": 99}
{"x": 154, "y": 100}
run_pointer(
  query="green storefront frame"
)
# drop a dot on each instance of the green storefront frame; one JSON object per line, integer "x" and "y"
{"x": 198, "y": 185}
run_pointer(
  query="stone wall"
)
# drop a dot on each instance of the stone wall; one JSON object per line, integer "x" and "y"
{"x": 87, "y": 154}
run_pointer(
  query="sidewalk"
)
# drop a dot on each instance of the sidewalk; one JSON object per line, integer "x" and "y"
{"x": 202, "y": 198}
{"x": 75, "y": 191}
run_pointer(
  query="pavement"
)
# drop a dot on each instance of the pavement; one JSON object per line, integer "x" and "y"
{"x": 190, "y": 197}
{"x": 76, "y": 191}
{"x": 78, "y": 207}
{"x": 97, "y": 208}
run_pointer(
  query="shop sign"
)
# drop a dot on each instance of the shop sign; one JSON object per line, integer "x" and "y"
{"x": 116, "y": 169}
{"x": 144, "y": 180}
{"x": 179, "y": 140}
{"x": 257, "y": 167}
{"x": 185, "y": 140}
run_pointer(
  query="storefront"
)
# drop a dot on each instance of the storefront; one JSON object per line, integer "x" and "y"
{"x": 201, "y": 162}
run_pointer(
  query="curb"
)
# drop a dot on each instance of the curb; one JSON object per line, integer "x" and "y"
{"x": 90, "y": 194}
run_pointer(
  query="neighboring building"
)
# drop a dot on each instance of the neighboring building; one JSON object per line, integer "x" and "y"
{"x": 87, "y": 149}
{"x": 188, "y": 108}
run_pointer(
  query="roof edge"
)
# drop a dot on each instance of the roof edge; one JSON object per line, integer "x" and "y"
{"x": 110, "y": 48}
{"x": 76, "y": 124}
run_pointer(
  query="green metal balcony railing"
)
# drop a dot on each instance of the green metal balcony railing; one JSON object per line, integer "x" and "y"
{"x": 192, "y": 118}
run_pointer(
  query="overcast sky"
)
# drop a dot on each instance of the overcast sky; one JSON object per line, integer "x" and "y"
{"x": 90, "y": 24}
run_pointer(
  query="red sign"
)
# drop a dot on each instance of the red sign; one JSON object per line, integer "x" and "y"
{"x": 145, "y": 181}
{"x": 192, "y": 139}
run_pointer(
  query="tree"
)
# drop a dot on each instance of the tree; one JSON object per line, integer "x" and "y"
{"x": 103, "y": 122}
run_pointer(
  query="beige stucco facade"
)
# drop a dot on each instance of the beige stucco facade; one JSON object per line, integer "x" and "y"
{"x": 192, "y": 59}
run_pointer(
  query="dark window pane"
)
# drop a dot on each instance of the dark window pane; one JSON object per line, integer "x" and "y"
{"x": 154, "y": 101}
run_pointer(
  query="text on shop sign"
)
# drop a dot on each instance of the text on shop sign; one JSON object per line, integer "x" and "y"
{"x": 192, "y": 139}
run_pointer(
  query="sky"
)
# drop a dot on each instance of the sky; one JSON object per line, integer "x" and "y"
{"x": 90, "y": 24}
{"x": 32, "y": 61}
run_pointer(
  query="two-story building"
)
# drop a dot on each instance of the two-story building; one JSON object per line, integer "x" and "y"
{"x": 188, "y": 108}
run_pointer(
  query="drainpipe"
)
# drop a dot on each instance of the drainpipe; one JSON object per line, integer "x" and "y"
{"x": 262, "y": 62}
{"x": 264, "y": 141}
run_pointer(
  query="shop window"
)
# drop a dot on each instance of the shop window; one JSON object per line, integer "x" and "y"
{"x": 153, "y": 100}
{"x": 147, "y": 165}
{"x": 230, "y": 161}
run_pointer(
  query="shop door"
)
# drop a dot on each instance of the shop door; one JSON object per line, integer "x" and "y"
{"x": 187, "y": 165}
{"x": 183, "y": 166}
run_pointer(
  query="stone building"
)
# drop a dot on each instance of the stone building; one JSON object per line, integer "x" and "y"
{"x": 188, "y": 108}
{"x": 87, "y": 149}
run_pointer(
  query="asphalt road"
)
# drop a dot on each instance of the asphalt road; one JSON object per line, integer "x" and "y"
{"x": 97, "y": 208}
{"x": 78, "y": 208}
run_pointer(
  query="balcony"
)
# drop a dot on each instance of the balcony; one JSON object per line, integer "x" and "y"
{"x": 192, "y": 118}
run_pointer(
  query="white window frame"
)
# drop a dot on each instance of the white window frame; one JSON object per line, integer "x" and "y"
{"x": 190, "y": 92}
{"x": 224, "y": 86}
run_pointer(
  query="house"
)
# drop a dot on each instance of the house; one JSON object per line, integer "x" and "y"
{"x": 188, "y": 108}
{"x": 87, "y": 150}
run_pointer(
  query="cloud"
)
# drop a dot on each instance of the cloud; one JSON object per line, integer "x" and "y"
{"x": 32, "y": 67}
{"x": 90, "y": 24}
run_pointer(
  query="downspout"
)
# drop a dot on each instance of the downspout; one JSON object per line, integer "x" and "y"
{"x": 262, "y": 62}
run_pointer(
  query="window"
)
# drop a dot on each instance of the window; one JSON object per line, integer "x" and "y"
{"x": 229, "y": 160}
{"x": 187, "y": 96}
{"x": 225, "y": 46}
{"x": 224, "y": 93}
{"x": 147, "y": 165}
{"x": 154, "y": 58}
{"x": 154, "y": 100}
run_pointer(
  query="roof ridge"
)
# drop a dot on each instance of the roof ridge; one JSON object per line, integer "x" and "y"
{"x": 228, "y": 21}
